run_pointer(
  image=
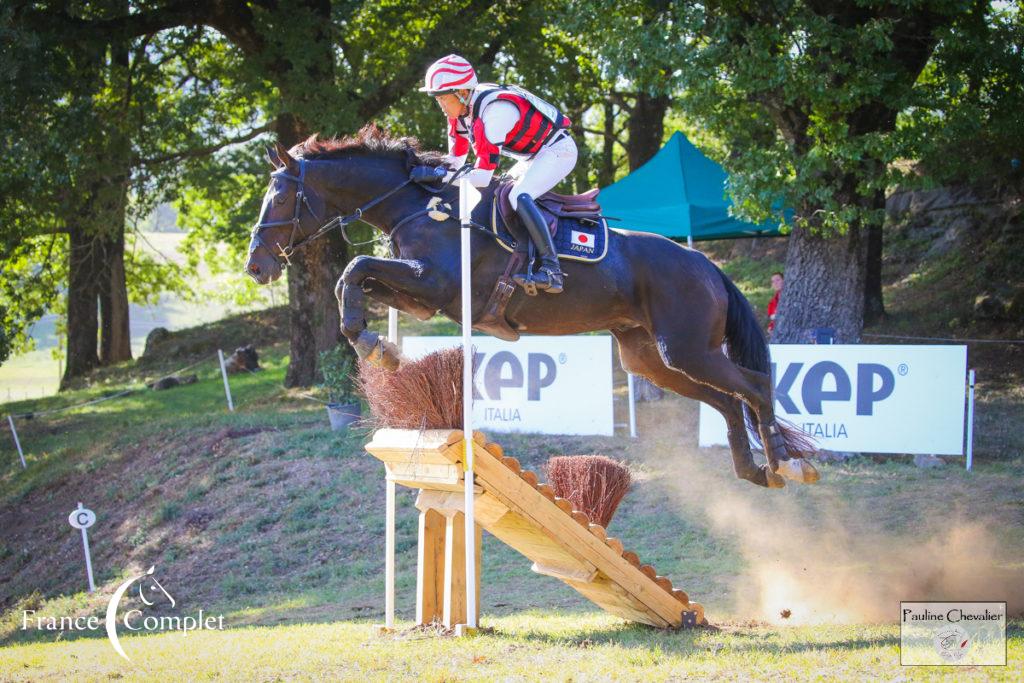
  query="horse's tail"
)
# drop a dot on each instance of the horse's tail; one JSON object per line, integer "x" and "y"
{"x": 748, "y": 348}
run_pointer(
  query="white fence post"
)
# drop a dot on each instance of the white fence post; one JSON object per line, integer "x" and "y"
{"x": 224, "y": 374}
{"x": 14, "y": 433}
{"x": 970, "y": 420}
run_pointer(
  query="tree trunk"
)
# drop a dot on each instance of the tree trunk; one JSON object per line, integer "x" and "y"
{"x": 874, "y": 305}
{"x": 646, "y": 128}
{"x": 115, "y": 333}
{"x": 83, "y": 292}
{"x": 313, "y": 315}
{"x": 312, "y": 308}
{"x": 825, "y": 280}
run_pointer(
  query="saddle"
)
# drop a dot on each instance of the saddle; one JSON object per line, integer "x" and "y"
{"x": 552, "y": 206}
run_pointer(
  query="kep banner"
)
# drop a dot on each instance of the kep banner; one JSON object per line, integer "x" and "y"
{"x": 545, "y": 385}
{"x": 867, "y": 399}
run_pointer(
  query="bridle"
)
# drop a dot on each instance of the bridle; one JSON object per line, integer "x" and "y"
{"x": 284, "y": 254}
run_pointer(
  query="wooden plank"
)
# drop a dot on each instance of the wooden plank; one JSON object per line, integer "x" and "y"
{"x": 522, "y": 535}
{"x": 412, "y": 445}
{"x": 455, "y": 570}
{"x": 612, "y": 598}
{"x": 430, "y": 568}
{"x": 563, "y": 573}
{"x": 525, "y": 500}
{"x": 446, "y": 477}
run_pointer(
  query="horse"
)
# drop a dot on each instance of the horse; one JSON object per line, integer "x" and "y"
{"x": 678, "y": 319}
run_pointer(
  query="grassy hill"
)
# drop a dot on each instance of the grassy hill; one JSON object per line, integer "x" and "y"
{"x": 267, "y": 517}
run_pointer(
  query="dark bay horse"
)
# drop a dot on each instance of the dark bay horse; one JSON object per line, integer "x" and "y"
{"x": 669, "y": 307}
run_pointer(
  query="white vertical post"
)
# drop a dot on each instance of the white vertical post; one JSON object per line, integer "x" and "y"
{"x": 631, "y": 390}
{"x": 14, "y": 433}
{"x": 689, "y": 241}
{"x": 970, "y": 419}
{"x": 467, "y": 399}
{"x": 82, "y": 519}
{"x": 389, "y": 531}
{"x": 224, "y": 374}
{"x": 389, "y": 556}
{"x": 393, "y": 325}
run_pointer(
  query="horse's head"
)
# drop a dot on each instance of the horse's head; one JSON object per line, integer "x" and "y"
{"x": 290, "y": 213}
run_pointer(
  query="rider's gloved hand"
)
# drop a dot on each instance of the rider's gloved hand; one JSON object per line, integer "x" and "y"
{"x": 427, "y": 175}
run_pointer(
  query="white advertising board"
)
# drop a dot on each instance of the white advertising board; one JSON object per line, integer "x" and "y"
{"x": 867, "y": 399}
{"x": 544, "y": 385}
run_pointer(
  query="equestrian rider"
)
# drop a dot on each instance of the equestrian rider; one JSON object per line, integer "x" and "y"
{"x": 506, "y": 120}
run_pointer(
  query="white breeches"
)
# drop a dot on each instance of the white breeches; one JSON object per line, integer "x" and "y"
{"x": 545, "y": 170}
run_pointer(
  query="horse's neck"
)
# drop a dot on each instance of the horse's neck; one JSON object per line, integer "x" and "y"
{"x": 353, "y": 182}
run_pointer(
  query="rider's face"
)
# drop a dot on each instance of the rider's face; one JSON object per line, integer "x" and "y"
{"x": 450, "y": 105}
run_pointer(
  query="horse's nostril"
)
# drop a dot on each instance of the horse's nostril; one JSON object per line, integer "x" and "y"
{"x": 254, "y": 269}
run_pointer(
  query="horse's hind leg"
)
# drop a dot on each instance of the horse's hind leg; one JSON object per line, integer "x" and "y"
{"x": 639, "y": 355}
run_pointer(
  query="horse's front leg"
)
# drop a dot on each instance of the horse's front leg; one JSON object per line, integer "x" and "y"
{"x": 411, "y": 281}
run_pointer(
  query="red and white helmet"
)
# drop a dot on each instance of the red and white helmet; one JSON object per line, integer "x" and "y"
{"x": 448, "y": 74}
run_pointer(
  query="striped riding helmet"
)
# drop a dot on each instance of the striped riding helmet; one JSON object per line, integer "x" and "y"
{"x": 448, "y": 74}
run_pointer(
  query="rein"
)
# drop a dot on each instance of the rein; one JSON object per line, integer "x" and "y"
{"x": 284, "y": 254}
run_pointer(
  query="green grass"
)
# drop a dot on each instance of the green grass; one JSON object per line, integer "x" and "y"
{"x": 537, "y": 645}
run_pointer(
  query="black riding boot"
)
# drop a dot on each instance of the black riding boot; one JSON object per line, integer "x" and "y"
{"x": 549, "y": 276}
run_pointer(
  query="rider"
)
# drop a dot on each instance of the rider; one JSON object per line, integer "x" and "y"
{"x": 509, "y": 120}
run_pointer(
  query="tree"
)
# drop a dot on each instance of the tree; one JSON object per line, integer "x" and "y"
{"x": 806, "y": 96}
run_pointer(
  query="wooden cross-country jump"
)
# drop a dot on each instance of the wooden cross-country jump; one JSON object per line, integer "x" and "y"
{"x": 510, "y": 504}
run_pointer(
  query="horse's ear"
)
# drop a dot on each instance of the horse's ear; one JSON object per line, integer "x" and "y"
{"x": 285, "y": 158}
{"x": 272, "y": 158}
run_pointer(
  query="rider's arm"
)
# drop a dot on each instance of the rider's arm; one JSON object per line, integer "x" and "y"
{"x": 489, "y": 133}
{"x": 458, "y": 146}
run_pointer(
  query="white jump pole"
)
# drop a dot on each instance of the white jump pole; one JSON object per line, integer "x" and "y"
{"x": 14, "y": 433}
{"x": 631, "y": 397}
{"x": 393, "y": 325}
{"x": 467, "y": 398}
{"x": 970, "y": 420}
{"x": 389, "y": 556}
{"x": 224, "y": 374}
{"x": 389, "y": 513}
{"x": 689, "y": 241}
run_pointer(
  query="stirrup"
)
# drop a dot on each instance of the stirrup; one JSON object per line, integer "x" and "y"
{"x": 527, "y": 282}
{"x": 546, "y": 279}
{"x": 554, "y": 278}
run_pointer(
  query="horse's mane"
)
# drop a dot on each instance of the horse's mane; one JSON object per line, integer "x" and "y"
{"x": 370, "y": 140}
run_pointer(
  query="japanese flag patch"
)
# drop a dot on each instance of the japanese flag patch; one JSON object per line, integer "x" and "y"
{"x": 582, "y": 239}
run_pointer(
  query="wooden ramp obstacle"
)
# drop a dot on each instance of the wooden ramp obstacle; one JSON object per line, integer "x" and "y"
{"x": 511, "y": 505}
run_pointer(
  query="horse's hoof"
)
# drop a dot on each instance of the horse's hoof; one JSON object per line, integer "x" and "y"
{"x": 376, "y": 351}
{"x": 798, "y": 469}
{"x": 774, "y": 480}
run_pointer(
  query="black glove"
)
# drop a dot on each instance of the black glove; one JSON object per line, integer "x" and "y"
{"x": 427, "y": 175}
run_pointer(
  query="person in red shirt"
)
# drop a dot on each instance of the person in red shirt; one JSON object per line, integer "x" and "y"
{"x": 773, "y": 305}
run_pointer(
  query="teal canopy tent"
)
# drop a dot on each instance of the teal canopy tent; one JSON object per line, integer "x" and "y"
{"x": 679, "y": 193}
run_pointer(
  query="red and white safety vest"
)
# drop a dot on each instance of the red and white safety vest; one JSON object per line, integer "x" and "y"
{"x": 538, "y": 122}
